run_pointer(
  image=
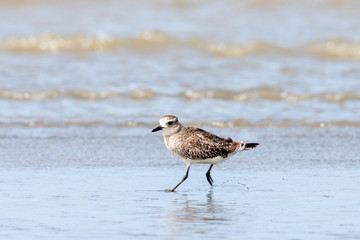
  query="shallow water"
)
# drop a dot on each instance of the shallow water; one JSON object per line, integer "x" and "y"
{"x": 82, "y": 83}
{"x": 97, "y": 182}
{"x": 130, "y": 202}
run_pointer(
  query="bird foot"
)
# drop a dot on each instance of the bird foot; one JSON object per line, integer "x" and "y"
{"x": 209, "y": 178}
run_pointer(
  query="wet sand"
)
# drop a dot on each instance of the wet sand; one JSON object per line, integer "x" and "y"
{"x": 127, "y": 202}
{"x": 80, "y": 185}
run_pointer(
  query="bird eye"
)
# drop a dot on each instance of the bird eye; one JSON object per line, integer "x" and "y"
{"x": 170, "y": 123}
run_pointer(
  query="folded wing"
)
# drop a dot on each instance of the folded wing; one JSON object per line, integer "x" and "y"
{"x": 201, "y": 144}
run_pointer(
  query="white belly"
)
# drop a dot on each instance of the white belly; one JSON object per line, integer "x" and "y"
{"x": 217, "y": 160}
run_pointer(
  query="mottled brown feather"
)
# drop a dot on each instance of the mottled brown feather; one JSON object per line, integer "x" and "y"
{"x": 201, "y": 144}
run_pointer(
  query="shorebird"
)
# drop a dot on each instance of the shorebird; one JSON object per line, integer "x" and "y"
{"x": 195, "y": 145}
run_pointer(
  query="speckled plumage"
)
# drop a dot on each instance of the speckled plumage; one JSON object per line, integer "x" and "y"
{"x": 195, "y": 145}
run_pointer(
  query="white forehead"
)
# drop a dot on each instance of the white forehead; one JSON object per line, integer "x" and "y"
{"x": 166, "y": 119}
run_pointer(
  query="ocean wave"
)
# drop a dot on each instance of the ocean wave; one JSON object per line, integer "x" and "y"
{"x": 224, "y": 50}
{"x": 154, "y": 40}
{"x": 269, "y": 94}
{"x": 262, "y": 93}
{"x": 84, "y": 43}
{"x": 336, "y": 49}
{"x": 285, "y": 123}
{"x": 31, "y": 96}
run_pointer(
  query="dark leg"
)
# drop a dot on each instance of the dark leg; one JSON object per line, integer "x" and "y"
{"x": 208, "y": 177}
{"x": 184, "y": 178}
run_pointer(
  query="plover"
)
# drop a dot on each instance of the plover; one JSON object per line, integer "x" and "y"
{"x": 195, "y": 145}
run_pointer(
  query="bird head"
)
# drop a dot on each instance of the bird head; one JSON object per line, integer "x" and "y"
{"x": 169, "y": 125}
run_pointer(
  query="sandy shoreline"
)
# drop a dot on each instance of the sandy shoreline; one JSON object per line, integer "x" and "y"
{"x": 109, "y": 182}
{"x": 280, "y": 148}
{"x": 113, "y": 202}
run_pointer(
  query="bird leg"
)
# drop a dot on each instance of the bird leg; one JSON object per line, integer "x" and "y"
{"x": 184, "y": 178}
{"x": 208, "y": 176}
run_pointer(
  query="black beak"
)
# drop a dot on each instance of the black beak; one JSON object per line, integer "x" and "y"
{"x": 157, "y": 129}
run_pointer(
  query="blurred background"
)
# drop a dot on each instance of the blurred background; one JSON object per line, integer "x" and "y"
{"x": 221, "y": 63}
{"x": 83, "y": 82}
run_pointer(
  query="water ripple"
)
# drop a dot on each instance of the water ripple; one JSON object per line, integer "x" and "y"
{"x": 261, "y": 93}
{"x": 155, "y": 40}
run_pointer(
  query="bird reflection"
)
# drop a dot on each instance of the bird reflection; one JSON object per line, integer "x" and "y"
{"x": 200, "y": 212}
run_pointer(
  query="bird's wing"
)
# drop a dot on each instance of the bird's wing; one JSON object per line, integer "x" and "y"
{"x": 201, "y": 144}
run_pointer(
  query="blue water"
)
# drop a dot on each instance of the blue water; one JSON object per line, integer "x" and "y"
{"x": 82, "y": 83}
{"x": 114, "y": 203}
